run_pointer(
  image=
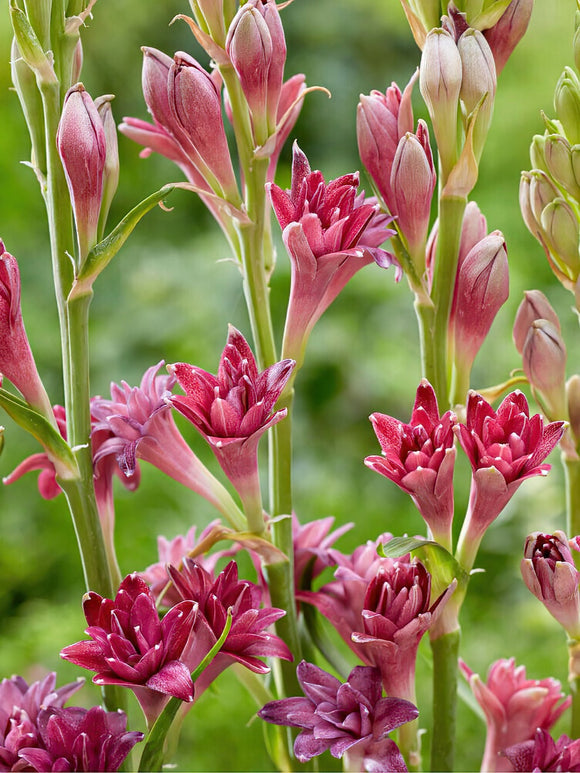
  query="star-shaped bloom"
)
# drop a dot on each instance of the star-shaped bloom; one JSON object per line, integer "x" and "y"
{"x": 542, "y": 753}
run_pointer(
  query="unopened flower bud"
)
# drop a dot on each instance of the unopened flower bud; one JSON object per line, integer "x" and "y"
{"x": 481, "y": 289}
{"x": 537, "y": 152}
{"x": 479, "y": 81}
{"x": 573, "y": 398}
{"x": 440, "y": 78}
{"x": 562, "y": 232}
{"x": 504, "y": 36}
{"x": 567, "y": 104}
{"x": 534, "y": 306}
{"x": 255, "y": 43}
{"x": 558, "y": 159}
{"x": 111, "y": 170}
{"x": 544, "y": 362}
{"x": 210, "y": 17}
{"x": 542, "y": 192}
{"x": 77, "y": 62}
{"x": 82, "y": 148}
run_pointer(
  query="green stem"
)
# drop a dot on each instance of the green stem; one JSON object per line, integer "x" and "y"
{"x": 425, "y": 312}
{"x": 450, "y": 220}
{"x": 409, "y": 742}
{"x": 281, "y": 459}
{"x": 572, "y": 471}
{"x": 445, "y": 653}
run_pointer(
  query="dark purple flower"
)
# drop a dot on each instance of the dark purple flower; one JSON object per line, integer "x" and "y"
{"x": 350, "y": 719}
{"x": 20, "y": 704}
{"x": 545, "y": 754}
{"x": 77, "y": 739}
{"x": 248, "y": 639}
{"x": 130, "y": 646}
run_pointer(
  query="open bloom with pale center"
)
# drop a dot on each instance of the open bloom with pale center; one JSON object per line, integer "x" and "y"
{"x": 130, "y": 646}
{"x": 330, "y": 233}
{"x": 505, "y": 448}
{"x": 542, "y": 753}
{"x": 80, "y": 739}
{"x": 514, "y": 706}
{"x": 350, "y": 719}
{"x": 419, "y": 457}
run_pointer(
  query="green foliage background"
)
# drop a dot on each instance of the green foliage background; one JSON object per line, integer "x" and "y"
{"x": 170, "y": 294}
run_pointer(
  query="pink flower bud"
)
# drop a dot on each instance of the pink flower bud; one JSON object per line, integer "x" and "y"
{"x": 481, "y": 289}
{"x": 504, "y": 36}
{"x": 82, "y": 149}
{"x": 534, "y": 306}
{"x": 257, "y": 48}
{"x": 111, "y": 170}
{"x": 16, "y": 360}
{"x": 544, "y": 361}
{"x": 549, "y": 573}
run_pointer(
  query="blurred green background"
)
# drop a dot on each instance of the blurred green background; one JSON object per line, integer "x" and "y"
{"x": 170, "y": 294}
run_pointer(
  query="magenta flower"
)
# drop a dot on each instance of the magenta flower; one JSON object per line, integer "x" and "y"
{"x": 130, "y": 646}
{"x": 419, "y": 457}
{"x": 312, "y": 547}
{"x": 351, "y": 720}
{"x": 232, "y": 411}
{"x": 79, "y": 739}
{"x": 549, "y": 573}
{"x": 247, "y": 641}
{"x": 504, "y": 36}
{"x": 514, "y": 707}
{"x": 397, "y": 611}
{"x": 504, "y": 448}
{"x": 16, "y": 360}
{"x": 330, "y": 233}
{"x": 542, "y": 753}
{"x": 20, "y": 704}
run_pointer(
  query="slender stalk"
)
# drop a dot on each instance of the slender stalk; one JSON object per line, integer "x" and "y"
{"x": 425, "y": 312}
{"x": 281, "y": 459}
{"x": 572, "y": 472}
{"x": 445, "y": 652}
{"x": 450, "y": 220}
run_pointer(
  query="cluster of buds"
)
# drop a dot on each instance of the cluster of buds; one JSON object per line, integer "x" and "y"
{"x": 87, "y": 144}
{"x": 550, "y": 192}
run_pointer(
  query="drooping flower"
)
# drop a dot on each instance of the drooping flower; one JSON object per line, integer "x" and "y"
{"x": 514, "y": 706}
{"x": 542, "y": 753}
{"x": 130, "y": 646}
{"x": 232, "y": 411}
{"x": 504, "y": 448}
{"x": 330, "y": 233}
{"x": 549, "y": 573}
{"x": 419, "y": 457}
{"x": 248, "y": 639}
{"x": 80, "y": 739}
{"x": 350, "y": 719}
{"x": 20, "y": 704}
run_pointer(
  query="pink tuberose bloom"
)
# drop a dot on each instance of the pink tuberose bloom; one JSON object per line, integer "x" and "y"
{"x": 542, "y": 753}
{"x": 20, "y": 705}
{"x": 330, "y": 233}
{"x": 312, "y": 547}
{"x": 248, "y": 639}
{"x": 130, "y": 646}
{"x": 350, "y": 719}
{"x": 81, "y": 739}
{"x": 232, "y": 411}
{"x": 504, "y": 448}
{"x": 514, "y": 706}
{"x": 16, "y": 360}
{"x": 419, "y": 457}
{"x": 549, "y": 573}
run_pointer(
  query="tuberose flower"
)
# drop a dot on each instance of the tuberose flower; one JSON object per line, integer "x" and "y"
{"x": 514, "y": 706}
{"x": 542, "y": 753}
{"x": 350, "y": 719}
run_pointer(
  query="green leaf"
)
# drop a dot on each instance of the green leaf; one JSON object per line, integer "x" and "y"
{"x": 47, "y": 435}
{"x": 103, "y": 252}
{"x": 30, "y": 47}
{"x": 400, "y": 546}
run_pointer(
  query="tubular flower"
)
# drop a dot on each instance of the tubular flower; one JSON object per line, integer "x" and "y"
{"x": 247, "y": 640}
{"x": 504, "y": 448}
{"x": 419, "y": 457}
{"x": 130, "y": 646}
{"x": 514, "y": 707}
{"x": 233, "y": 410}
{"x": 549, "y": 573}
{"x": 351, "y": 719}
{"x": 542, "y": 753}
{"x": 330, "y": 233}
{"x": 397, "y": 611}
{"x": 81, "y": 739}
{"x": 20, "y": 704}
{"x": 312, "y": 542}
{"x": 16, "y": 360}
